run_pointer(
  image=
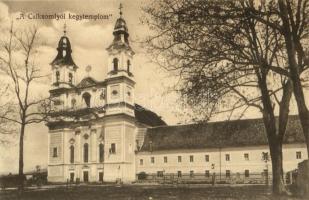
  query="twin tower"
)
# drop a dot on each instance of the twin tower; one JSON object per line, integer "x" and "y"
{"x": 93, "y": 128}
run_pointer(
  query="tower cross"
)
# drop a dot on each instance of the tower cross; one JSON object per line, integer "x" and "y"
{"x": 120, "y": 9}
{"x": 64, "y": 28}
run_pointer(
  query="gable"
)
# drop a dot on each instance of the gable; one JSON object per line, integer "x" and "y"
{"x": 87, "y": 82}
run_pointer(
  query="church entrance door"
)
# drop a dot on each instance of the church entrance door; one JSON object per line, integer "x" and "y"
{"x": 72, "y": 177}
{"x": 86, "y": 176}
{"x": 101, "y": 176}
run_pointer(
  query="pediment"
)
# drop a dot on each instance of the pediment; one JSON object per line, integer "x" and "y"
{"x": 87, "y": 82}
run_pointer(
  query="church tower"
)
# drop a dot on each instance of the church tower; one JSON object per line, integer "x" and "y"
{"x": 120, "y": 128}
{"x": 119, "y": 52}
{"x": 63, "y": 66}
{"x": 120, "y": 79}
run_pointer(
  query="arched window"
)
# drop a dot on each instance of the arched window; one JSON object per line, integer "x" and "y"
{"x": 71, "y": 154}
{"x": 86, "y": 150}
{"x": 73, "y": 103}
{"x": 115, "y": 63}
{"x": 87, "y": 98}
{"x": 101, "y": 152}
{"x": 70, "y": 78}
{"x": 128, "y": 66}
{"x": 57, "y": 76}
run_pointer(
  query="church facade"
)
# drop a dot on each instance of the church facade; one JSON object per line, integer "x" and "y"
{"x": 92, "y": 131}
{"x": 98, "y": 133}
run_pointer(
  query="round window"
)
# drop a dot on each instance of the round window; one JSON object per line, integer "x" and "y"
{"x": 114, "y": 92}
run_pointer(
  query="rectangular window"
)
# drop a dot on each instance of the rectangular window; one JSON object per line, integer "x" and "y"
{"x": 207, "y": 158}
{"x": 165, "y": 159}
{"x": 179, "y": 174}
{"x": 246, "y": 156}
{"x": 141, "y": 162}
{"x": 298, "y": 155}
{"x": 152, "y": 160}
{"x": 159, "y": 173}
{"x": 228, "y": 174}
{"x": 55, "y": 152}
{"x": 86, "y": 152}
{"x": 191, "y": 173}
{"x": 101, "y": 153}
{"x": 179, "y": 158}
{"x": 113, "y": 148}
{"x": 247, "y": 174}
{"x": 207, "y": 173}
{"x": 191, "y": 158}
{"x": 227, "y": 157}
{"x": 265, "y": 156}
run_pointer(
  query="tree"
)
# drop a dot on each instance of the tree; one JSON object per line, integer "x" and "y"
{"x": 17, "y": 62}
{"x": 226, "y": 60}
{"x": 7, "y": 129}
{"x": 294, "y": 27}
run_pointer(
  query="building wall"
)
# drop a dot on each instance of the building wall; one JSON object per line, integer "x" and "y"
{"x": 217, "y": 160}
{"x": 126, "y": 163}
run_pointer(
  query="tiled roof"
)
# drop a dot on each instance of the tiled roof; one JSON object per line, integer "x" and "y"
{"x": 147, "y": 117}
{"x": 250, "y": 132}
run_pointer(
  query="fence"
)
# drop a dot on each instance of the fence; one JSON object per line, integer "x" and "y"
{"x": 236, "y": 178}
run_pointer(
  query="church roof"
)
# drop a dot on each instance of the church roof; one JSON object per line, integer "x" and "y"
{"x": 238, "y": 133}
{"x": 147, "y": 117}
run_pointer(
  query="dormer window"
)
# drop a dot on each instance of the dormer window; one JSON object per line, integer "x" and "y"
{"x": 87, "y": 98}
{"x": 57, "y": 76}
{"x": 115, "y": 64}
{"x": 70, "y": 78}
{"x": 128, "y": 66}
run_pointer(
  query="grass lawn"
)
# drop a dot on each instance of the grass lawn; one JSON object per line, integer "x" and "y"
{"x": 138, "y": 192}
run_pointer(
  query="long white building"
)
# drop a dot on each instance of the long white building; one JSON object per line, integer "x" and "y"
{"x": 98, "y": 133}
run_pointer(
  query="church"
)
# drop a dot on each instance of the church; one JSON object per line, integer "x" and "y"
{"x": 98, "y": 133}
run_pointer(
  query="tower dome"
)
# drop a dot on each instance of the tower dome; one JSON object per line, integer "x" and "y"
{"x": 64, "y": 55}
{"x": 121, "y": 34}
{"x": 63, "y": 66}
{"x": 121, "y": 26}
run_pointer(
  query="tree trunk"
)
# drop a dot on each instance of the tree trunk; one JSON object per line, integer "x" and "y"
{"x": 21, "y": 158}
{"x": 277, "y": 170}
{"x": 295, "y": 71}
{"x": 303, "y": 115}
{"x": 275, "y": 140}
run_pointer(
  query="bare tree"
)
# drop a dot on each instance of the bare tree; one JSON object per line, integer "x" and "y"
{"x": 226, "y": 60}
{"x": 18, "y": 64}
{"x": 293, "y": 25}
{"x": 7, "y": 129}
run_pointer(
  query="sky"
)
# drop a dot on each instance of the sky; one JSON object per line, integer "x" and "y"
{"x": 89, "y": 39}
